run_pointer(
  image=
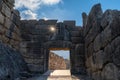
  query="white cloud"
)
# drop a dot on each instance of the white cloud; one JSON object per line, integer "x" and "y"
{"x": 51, "y": 2}
{"x": 29, "y": 4}
{"x": 28, "y": 14}
{"x": 34, "y": 4}
{"x": 45, "y": 18}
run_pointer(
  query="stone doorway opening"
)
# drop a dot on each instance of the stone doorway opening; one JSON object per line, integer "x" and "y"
{"x": 59, "y": 59}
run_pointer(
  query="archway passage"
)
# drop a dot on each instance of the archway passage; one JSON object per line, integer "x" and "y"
{"x": 59, "y": 62}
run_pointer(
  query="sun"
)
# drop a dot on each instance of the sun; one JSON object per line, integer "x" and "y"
{"x": 52, "y": 29}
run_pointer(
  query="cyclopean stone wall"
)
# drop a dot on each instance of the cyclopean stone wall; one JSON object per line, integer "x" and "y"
{"x": 95, "y": 47}
{"x": 38, "y": 39}
{"x": 102, "y": 43}
{"x": 12, "y": 63}
{"x": 9, "y": 24}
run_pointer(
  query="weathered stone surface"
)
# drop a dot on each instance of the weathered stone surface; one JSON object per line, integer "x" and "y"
{"x": 115, "y": 43}
{"x": 94, "y": 31}
{"x": 69, "y": 23}
{"x": 79, "y": 49}
{"x": 75, "y": 33}
{"x": 99, "y": 59}
{"x": 94, "y": 15}
{"x": 111, "y": 18}
{"x": 36, "y": 68}
{"x": 6, "y": 10}
{"x": 106, "y": 36}
{"x": 77, "y": 40}
{"x": 90, "y": 50}
{"x": 11, "y": 63}
{"x": 10, "y": 3}
{"x": 56, "y": 62}
{"x": 110, "y": 72}
{"x": 106, "y": 18}
{"x": 116, "y": 56}
{"x": 15, "y": 17}
{"x": 108, "y": 53}
{"x": 97, "y": 43}
{"x": 1, "y": 18}
{"x": 2, "y": 30}
{"x": 8, "y": 22}
{"x": 84, "y": 17}
{"x": 97, "y": 75}
{"x": 34, "y": 61}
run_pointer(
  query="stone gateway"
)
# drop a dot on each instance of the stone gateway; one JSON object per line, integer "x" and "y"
{"x": 25, "y": 44}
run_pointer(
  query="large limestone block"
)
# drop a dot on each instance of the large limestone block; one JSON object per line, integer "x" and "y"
{"x": 2, "y": 30}
{"x": 116, "y": 56}
{"x": 87, "y": 62}
{"x": 11, "y": 63}
{"x": 99, "y": 59}
{"x": 69, "y": 23}
{"x": 47, "y": 22}
{"x": 90, "y": 50}
{"x": 84, "y": 17}
{"x": 36, "y": 68}
{"x": 93, "y": 17}
{"x": 25, "y": 54}
{"x": 106, "y": 36}
{"x": 6, "y": 10}
{"x": 8, "y": 23}
{"x": 75, "y": 33}
{"x": 103, "y": 39}
{"x": 34, "y": 61}
{"x": 110, "y": 72}
{"x": 97, "y": 43}
{"x": 77, "y": 40}
{"x": 79, "y": 49}
{"x": 1, "y": 18}
{"x": 96, "y": 62}
{"x": 10, "y": 3}
{"x": 15, "y": 19}
{"x": 97, "y": 75}
{"x": 115, "y": 43}
{"x": 94, "y": 31}
{"x": 108, "y": 53}
{"x": 111, "y": 18}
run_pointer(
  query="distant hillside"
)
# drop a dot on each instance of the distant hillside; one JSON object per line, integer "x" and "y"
{"x": 56, "y": 62}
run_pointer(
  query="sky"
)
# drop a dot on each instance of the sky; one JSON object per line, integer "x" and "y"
{"x": 63, "y": 53}
{"x": 60, "y": 9}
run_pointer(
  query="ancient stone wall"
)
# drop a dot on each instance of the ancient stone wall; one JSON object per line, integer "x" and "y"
{"x": 95, "y": 47}
{"x": 34, "y": 34}
{"x": 12, "y": 63}
{"x": 37, "y": 39}
{"x": 9, "y": 24}
{"x": 77, "y": 56}
{"x": 56, "y": 62}
{"x": 102, "y": 43}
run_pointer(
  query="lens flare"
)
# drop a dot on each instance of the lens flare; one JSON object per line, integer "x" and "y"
{"x": 52, "y": 29}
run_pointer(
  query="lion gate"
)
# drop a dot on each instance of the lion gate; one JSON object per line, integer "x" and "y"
{"x": 38, "y": 37}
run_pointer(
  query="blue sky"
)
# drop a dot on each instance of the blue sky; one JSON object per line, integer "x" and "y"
{"x": 63, "y": 53}
{"x": 61, "y": 9}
